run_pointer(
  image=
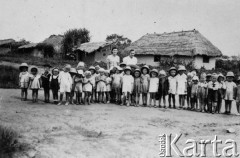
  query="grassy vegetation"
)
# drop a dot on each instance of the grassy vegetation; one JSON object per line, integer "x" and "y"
{"x": 9, "y": 142}
{"x": 8, "y": 77}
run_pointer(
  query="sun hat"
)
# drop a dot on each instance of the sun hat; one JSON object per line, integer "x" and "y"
{"x": 172, "y": 68}
{"x": 119, "y": 68}
{"x": 81, "y": 64}
{"x": 55, "y": 69}
{"x": 162, "y": 72}
{"x": 97, "y": 67}
{"x": 154, "y": 70}
{"x": 208, "y": 75}
{"x": 145, "y": 67}
{"x": 221, "y": 75}
{"x": 181, "y": 68}
{"x": 195, "y": 78}
{"x": 101, "y": 70}
{"x": 23, "y": 65}
{"x": 80, "y": 72}
{"x": 87, "y": 73}
{"x": 230, "y": 74}
{"x": 189, "y": 74}
{"x": 137, "y": 70}
{"x": 33, "y": 67}
{"x": 122, "y": 64}
{"x": 107, "y": 71}
{"x": 92, "y": 68}
{"x": 127, "y": 68}
{"x": 215, "y": 75}
{"x": 73, "y": 71}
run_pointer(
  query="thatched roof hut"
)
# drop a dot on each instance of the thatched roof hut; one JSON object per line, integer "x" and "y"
{"x": 55, "y": 41}
{"x": 7, "y": 42}
{"x": 92, "y": 46}
{"x": 185, "y": 43}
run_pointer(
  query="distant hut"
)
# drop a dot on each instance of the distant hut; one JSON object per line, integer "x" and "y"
{"x": 183, "y": 45}
{"x": 56, "y": 42}
{"x": 6, "y": 45}
{"x": 93, "y": 51}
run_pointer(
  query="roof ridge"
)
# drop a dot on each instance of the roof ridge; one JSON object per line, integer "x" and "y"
{"x": 167, "y": 33}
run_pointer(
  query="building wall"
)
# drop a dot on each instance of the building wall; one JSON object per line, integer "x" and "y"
{"x": 198, "y": 60}
{"x": 37, "y": 53}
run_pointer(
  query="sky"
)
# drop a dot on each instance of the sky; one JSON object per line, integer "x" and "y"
{"x": 35, "y": 20}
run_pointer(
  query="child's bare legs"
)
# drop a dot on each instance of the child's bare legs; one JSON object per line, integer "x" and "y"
{"x": 61, "y": 98}
{"x": 103, "y": 97}
{"x": 181, "y": 101}
{"x": 214, "y": 106}
{"x": 230, "y": 106}
{"x": 67, "y": 97}
{"x": 33, "y": 95}
{"x": 152, "y": 99}
{"x": 36, "y": 97}
{"x": 129, "y": 99}
{"x": 144, "y": 99}
{"x": 108, "y": 97}
{"x": 123, "y": 98}
{"x": 89, "y": 97}
{"x": 85, "y": 98}
{"x": 137, "y": 95}
{"x": 238, "y": 105}
{"x": 164, "y": 100}
{"x": 159, "y": 101}
{"x": 188, "y": 101}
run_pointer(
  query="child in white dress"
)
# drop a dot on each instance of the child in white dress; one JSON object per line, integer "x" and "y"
{"x": 181, "y": 85}
{"x": 230, "y": 94}
{"x": 172, "y": 80}
{"x": 127, "y": 86}
{"x": 153, "y": 87}
{"x": 24, "y": 78}
{"x": 35, "y": 83}
{"x": 108, "y": 85}
{"x": 65, "y": 82}
{"x": 145, "y": 78}
{"x": 88, "y": 87}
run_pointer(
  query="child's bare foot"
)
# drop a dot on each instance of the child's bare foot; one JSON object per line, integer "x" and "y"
{"x": 155, "y": 106}
{"x": 60, "y": 103}
{"x": 67, "y": 103}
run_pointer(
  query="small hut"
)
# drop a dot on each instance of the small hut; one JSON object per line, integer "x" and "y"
{"x": 56, "y": 42}
{"x": 93, "y": 51}
{"x": 6, "y": 45}
{"x": 184, "y": 45}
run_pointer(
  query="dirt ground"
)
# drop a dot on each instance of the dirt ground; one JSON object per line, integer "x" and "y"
{"x": 107, "y": 130}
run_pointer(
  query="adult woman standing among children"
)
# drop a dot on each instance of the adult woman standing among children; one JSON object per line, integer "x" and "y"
{"x": 54, "y": 86}
{"x": 145, "y": 78}
{"x": 24, "y": 78}
{"x": 45, "y": 82}
{"x": 35, "y": 83}
{"x": 181, "y": 85}
{"x": 113, "y": 60}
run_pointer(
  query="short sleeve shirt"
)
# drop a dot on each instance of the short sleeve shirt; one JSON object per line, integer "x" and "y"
{"x": 113, "y": 60}
{"x": 130, "y": 61}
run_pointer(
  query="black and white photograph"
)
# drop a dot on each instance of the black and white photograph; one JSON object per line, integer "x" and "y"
{"x": 119, "y": 78}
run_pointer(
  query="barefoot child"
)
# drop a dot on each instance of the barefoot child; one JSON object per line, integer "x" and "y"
{"x": 116, "y": 84}
{"x": 153, "y": 87}
{"x": 181, "y": 85}
{"x": 238, "y": 96}
{"x": 93, "y": 75}
{"x": 145, "y": 78}
{"x": 202, "y": 92}
{"x": 189, "y": 88}
{"x": 212, "y": 93}
{"x": 137, "y": 86}
{"x": 221, "y": 92}
{"x": 73, "y": 73}
{"x": 35, "y": 83}
{"x": 78, "y": 86}
{"x": 45, "y": 82}
{"x": 108, "y": 86}
{"x": 127, "y": 86}
{"x": 101, "y": 86}
{"x": 194, "y": 93}
{"x": 163, "y": 88}
{"x": 65, "y": 83}
{"x": 172, "y": 80}
{"x": 54, "y": 86}
{"x": 230, "y": 94}
{"x": 88, "y": 87}
{"x": 24, "y": 78}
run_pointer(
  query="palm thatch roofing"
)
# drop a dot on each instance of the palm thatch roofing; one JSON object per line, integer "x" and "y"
{"x": 6, "y": 41}
{"x": 30, "y": 45}
{"x": 55, "y": 40}
{"x": 92, "y": 46}
{"x": 185, "y": 43}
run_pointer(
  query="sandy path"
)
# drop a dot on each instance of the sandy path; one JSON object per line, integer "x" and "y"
{"x": 108, "y": 131}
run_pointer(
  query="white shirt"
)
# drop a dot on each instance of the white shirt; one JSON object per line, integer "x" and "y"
{"x": 130, "y": 61}
{"x": 113, "y": 60}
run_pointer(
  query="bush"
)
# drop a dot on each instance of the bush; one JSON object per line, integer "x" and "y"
{"x": 8, "y": 77}
{"x": 9, "y": 142}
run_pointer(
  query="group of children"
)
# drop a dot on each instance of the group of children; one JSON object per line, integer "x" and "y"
{"x": 124, "y": 85}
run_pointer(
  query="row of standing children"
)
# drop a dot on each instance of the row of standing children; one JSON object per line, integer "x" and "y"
{"x": 124, "y": 86}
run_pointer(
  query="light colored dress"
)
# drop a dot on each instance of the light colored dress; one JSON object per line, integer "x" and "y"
{"x": 24, "y": 79}
{"x": 35, "y": 82}
{"x": 101, "y": 85}
{"x": 65, "y": 80}
{"x": 172, "y": 84}
{"x": 145, "y": 83}
{"x": 153, "y": 85}
{"x": 127, "y": 83}
{"x": 108, "y": 84}
{"x": 181, "y": 82}
{"x": 88, "y": 84}
{"x": 230, "y": 88}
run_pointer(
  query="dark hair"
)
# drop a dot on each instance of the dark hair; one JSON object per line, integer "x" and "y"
{"x": 131, "y": 50}
{"x": 114, "y": 48}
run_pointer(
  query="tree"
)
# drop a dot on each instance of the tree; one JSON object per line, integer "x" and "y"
{"x": 73, "y": 38}
{"x": 120, "y": 42}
